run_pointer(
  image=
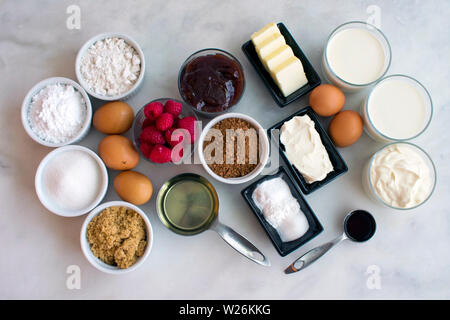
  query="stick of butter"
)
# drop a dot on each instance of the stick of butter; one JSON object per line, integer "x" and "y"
{"x": 278, "y": 59}
{"x": 289, "y": 75}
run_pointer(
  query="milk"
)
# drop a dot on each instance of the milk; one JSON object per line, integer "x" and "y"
{"x": 356, "y": 56}
{"x": 398, "y": 108}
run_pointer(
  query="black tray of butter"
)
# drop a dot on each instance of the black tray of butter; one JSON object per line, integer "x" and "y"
{"x": 310, "y": 72}
{"x": 339, "y": 165}
{"x": 314, "y": 229}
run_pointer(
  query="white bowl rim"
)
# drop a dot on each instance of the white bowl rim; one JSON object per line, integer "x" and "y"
{"x": 129, "y": 40}
{"x": 39, "y": 188}
{"x": 38, "y": 87}
{"x": 263, "y": 160}
{"x": 97, "y": 263}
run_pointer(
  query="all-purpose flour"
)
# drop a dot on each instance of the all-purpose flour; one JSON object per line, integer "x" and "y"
{"x": 110, "y": 66}
{"x": 57, "y": 113}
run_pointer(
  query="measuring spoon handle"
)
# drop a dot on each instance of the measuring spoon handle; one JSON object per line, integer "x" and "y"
{"x": 312, "y": 255}
{"x": 240, "y": 244}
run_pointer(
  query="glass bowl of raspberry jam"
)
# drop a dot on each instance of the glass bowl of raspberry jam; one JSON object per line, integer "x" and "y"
{"x": 211, "y": 82}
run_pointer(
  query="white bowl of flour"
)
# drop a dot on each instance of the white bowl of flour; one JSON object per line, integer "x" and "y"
{"x": 56, "y": 112}
{"x": 110, "y": 66}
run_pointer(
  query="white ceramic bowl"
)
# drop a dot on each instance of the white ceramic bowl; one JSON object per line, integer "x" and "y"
{"x": 40, "y": 189}
{"x": 264, "y": 148}
{"x": 96, "y": 262}
{"x": 26, "y": 108}
{"x": 88, "y": 44}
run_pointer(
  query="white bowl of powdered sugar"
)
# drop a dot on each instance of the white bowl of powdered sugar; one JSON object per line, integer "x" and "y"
{"x": 56, "y": 112}
{"x": 71, "y": 180}
{"x": 110, "y": 66}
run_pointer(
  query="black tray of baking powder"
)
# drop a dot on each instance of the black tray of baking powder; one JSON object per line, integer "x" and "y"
{"x": 315, "y": 227}
{"x": 310, "y": 72}
{"x": 339, "y": 165}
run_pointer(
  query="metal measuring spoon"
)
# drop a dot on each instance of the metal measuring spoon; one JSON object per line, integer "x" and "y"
{"x": 359, "y": 226}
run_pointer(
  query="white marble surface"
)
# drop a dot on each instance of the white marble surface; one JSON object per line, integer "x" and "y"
{"x": 410, "y": 249}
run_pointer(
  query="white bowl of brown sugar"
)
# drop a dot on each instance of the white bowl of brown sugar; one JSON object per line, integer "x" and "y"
{"x": 116, "y": 237}
{"x": 233, "y": 148}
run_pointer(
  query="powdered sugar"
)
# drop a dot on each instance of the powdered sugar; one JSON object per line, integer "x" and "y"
{"x": 110, "y": 67}
{"x": 57, "y": 113}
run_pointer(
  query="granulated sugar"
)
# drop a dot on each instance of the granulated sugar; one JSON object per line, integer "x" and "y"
{"x": 72, "y": 180}
{"x": 57, "y": 113}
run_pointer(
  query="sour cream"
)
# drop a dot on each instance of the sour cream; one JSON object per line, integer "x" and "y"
{"x": 400, "y": 176}
{"x": 304, "y": 148}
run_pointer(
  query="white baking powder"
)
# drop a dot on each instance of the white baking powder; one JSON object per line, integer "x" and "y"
{"x": 72, "y": 180}
{"x": 110, "y": 66}
{"x": 281, "y": 209}
{"x": 57, "y": 113}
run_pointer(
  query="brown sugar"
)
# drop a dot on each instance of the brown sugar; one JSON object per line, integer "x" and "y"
{"x": 117, "y": 236}
{"x": 231, "y": 148}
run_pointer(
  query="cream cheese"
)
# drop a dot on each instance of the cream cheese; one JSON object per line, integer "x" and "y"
{"x": 304, "y": 148}
{"x": 400, "y": 176}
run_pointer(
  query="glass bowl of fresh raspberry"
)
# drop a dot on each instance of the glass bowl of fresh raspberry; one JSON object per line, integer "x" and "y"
{"x": 165, "y": 131}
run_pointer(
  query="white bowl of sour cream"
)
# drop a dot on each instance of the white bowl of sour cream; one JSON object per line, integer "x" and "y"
{"x": 400, "y": 175}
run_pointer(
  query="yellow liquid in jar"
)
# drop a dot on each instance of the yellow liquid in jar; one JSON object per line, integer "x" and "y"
{"x": 188, "y": 205}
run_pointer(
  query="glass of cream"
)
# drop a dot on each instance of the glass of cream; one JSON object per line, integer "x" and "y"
{"x": 357, "y": 55}
{"x": 398, "y": 108}
{"x": 400, "y": 175}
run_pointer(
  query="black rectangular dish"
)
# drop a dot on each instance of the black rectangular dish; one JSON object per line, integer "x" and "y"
{"x": 310, "y": 72}
{"x": 337, "y": 161}
{"x": 315, "y": 227}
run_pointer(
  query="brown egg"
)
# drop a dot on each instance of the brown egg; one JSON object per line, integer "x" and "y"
{"x": 133, "y": 187}
{"x": 113, "y": 118}
{"x": 345, "y": 128}
{"x": 326, "y": 100}
{"x": 118, "y": 153}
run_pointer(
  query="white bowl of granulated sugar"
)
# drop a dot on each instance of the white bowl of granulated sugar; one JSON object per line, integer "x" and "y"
{"x": 71, "y": 180}
{"x": 110, "y": 66}
{"x": 56, "y": 112}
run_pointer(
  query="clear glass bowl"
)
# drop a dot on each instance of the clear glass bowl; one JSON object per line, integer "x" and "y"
{"x": 205, "y": 52}
{"x": 367, "y": 179}
{"x": 139, "y": 118}
{"x": 336, "y": 79}
{"x": 374, "y": 132}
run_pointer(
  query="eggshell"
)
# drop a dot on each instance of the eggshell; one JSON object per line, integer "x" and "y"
{"x": 118, "y": 153}
{"x": 113, "y": 118}
{"x": 326, "y": 100}
{"x": 346, "y": 128}
{"x": 133, "y": 187}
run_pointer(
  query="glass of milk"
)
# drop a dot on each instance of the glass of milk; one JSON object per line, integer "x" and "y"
{"x": 357, "y": 55}
{"x": 398, "y": 108}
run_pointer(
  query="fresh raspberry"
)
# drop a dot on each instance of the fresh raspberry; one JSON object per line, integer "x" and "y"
{"x": 176, "y": 158}
{"x": 153, "y": 110}
{"x": 161, "y": 154}
{"x": 164, "y": 122}
{"x": 151, "y": 135}
{"x": 147, "y": 123}
{"x": 173, "y": 107}
{"x": 172, "y": 139}
{"x": 188, "y": 123}
{"x": 146, "y": 149}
